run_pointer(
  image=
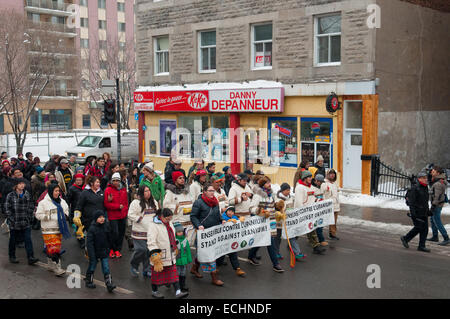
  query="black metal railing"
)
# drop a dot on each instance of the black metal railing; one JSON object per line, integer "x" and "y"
{"x": 386, "y": 180}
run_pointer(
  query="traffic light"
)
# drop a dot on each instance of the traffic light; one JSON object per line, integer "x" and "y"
{"x": 110, "y": 111}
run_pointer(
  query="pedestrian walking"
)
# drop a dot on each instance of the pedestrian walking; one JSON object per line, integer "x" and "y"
{"x": 197, "y": 185}
{"x": 417, "y": 199}
{"x": 318, "y": 193}
{"x": 116, "y": 205}
{"x": 240, "y": 196}
{"x": 161, "y": 243}
{"x": 19, "y": 209}
{"x": 184, "y": 257}
{"x": 52, "y": 212}
{"x": 154, "y": 182}
{"x": 437, "y": 198}
{"x": 73, "y": 196}
{"x": 330, "y": 191}
{"x": 141, "y": 213}
{"x": 98, "y": 246}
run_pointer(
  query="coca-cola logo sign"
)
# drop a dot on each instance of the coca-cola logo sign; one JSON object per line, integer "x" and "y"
{"x": 197, "y": 100}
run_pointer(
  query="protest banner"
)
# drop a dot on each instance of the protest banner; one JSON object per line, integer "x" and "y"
{"x": 303, "y": 220}
{"x": 220, "y": 240}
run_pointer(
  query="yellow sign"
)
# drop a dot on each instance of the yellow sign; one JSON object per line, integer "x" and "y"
{"x": 323, "y": 139}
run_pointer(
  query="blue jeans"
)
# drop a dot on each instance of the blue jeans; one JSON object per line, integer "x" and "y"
{"x": 270, "y": 249}
{"x": 436, "y": 223}
{"x": 319, "y": 232}
{"x": 93, "y": 265}
{"x": 14, "y": 235}
{"x": 294, "y": 244}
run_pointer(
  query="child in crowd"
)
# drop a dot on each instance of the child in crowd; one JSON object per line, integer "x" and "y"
{"x": 229, "y": 216}
{"x": 184, "y": 257}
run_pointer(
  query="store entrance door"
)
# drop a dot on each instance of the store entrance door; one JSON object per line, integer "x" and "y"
{"x": 352, "y": 145}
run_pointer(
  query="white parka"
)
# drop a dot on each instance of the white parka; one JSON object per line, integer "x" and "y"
{"x": 183, "y": 199}
{"x": 330, "y": 190}
{"x": 47, "y": 213}
{"x": 236, "y": 193}
{"x": 158, "y": 239}
{"x": 140, "y": 220}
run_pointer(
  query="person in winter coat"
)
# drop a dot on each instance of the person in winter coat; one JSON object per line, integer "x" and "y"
{"x": 330, "y": 191}
{"x": 29, "y": 168}
{"x": 8, "y": 185}
{"x": 319, "y": 165}
{"x": 64, "y": 176}
{"x": 304, "y": 165}
{"x": 114, "y": 167}
{"x": 263, "y": 204}
{"x": 219, "y": 193}
{"x": 162, "y": 244}
{"x": 38, "y": 187}
{"x": 318, "y": 193}
{"x": 179, "y": 201}
{"x": 173, "y": 166}
{"x": 240, "y": 196}
{"x": 196, "y": 187}
{"x": 305, "y": 195}
{"x": 184, "y": 257}
{"x": 154, "y": 182}
{"x": 284, "y": 194}
{"x": 52, "y": 212}
{"x": 98, "y": 169}
{"x": 98, "y": 246}
{"x": 229, "y": 179}
{"x": 91, "y": 200}
{"x": 19, "y": 209}
{"x": 116, "y": 204}
{"x": 50, "y": 166}
{"x": 141, "y": 212}
{"x": 206, "y": 214}
{"x": 73, "y": 196}
{"x": 419, "y": 211}
{"x": 437, "y": 198}
{"x": 198, "y": 165}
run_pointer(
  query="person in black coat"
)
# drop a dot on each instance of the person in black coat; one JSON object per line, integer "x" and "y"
{"x": 10, "y": 182}
{"x": 98, "y": 247}
{"x": 205, "y": 214}
{"x": 172, "y": 166}
{"x": 419, "y": 209}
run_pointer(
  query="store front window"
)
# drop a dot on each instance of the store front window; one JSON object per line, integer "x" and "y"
{"x": 283, "y": 141}
{"x": 220, "y": 138}
{"x": 317, "y": 139}
{"x": 189, "y": 130}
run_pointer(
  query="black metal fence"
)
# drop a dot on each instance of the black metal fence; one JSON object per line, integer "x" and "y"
{"x": 387, "y": 181}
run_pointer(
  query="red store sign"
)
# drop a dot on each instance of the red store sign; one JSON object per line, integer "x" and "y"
{"x": 219, "y": 100}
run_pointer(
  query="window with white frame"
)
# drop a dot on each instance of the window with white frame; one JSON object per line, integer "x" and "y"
{"x": 102, "y": 4}
{"x": 161, "y": 48}
{"x": 262, "y": 46}
{"x": 121, "y": 6}
{"x": 207, "y": 51}
{"x": 328, "y": 40}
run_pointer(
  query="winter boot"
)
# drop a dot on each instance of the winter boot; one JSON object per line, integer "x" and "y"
{"x": 194, "y": 270}
{"x": 181, "y": 294}
{"x": 424, "y": 249}
{"x": 32, "y": 260}
{"x": 58, "y": 270}
{"x": 240, "y": 272}
{"x": 109, "y": 284}
{"x": 13, "y": 260}
{"x": 51, "y": 265}
{"x": 183, "y": 284}
{"x": 90, "y": 281}
{"x": 445, "y": 242}
{"x": 434, "y": 238}
{"x": 318, "y": 250}
{"x": 215, "y": 280}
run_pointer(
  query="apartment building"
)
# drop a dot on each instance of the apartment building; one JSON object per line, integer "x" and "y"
{"x": 390, "y": 80}
{"x": 70, "y": 100}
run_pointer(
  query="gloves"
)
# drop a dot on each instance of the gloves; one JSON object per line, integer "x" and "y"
{"x": 155, "y": 259}
{"x": 234, "y": 221}
{"x": 79, "y": 233}
{"x": 267, "y": 214}
{"x": 242, "y": 219}
{"x": 279, "y": 216}
{"x": 77, "y": 219}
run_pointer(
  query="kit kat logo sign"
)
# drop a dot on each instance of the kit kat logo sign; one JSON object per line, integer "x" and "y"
{"x": 143, "y": 97}
{"x": 197, "y": 100}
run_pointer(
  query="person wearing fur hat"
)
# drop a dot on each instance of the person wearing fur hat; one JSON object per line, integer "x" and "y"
{"x": 162, "y": 244}
{"x": 154, "y": 182}
{"x": 184, "y": 257}
{"x": 330, "y": 191}
{"x": 179, "y": 201}
{"x": 305, "y": 195}
{"x": 19, "y": 209}
{"x": 240, "y": 196}
{"x": 197, "y": 185}
{"x": 116, "y": 205}
{"x": 284, "y": 194}
{"x": 72, "y": 199}
{"x": 98, "y": 245}
{"x": 263, "y": 204}
{"x": 52, "y": 212}
{"x": 141, "y": 213}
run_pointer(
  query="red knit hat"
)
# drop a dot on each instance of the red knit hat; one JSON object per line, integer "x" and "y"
{"x": 200, "y": 172}
{"x": 78, "y": 176}
{"x": 175, "y": 175}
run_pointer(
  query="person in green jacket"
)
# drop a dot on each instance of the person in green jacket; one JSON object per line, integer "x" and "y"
{"x": 154, "y": 182}
{"x": 184, "y": 257}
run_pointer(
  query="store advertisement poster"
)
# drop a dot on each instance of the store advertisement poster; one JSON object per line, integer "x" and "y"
{"x": 324, "y": 150}
{"x": 167, "y": 136}
{"x": 308, "y": 152}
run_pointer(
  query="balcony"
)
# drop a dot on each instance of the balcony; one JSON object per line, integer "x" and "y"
{"x": 56, "y": 28}
{"x": 48, "y": 7}
{"x": 52, "y": 93}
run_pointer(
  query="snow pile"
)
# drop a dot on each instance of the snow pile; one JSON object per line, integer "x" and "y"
{"x": 212, "y": 86}
{"x": 392, "y": 228}
{"x": 382, "y": 202}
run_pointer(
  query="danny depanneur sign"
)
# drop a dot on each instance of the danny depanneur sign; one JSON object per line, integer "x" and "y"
{"x": 220, "y": 100}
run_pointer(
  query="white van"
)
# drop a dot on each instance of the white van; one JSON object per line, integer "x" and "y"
{"x": 99, "y": 142}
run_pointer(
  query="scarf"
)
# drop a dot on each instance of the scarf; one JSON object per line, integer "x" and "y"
{"x": 303, "y": 183}
{"x": 267, "y": 191}
{"x": 211, "y": 202}
{"x": 63, "y": 228}
{"x": 423, "y": 184}
{"x": 173, "y": 242}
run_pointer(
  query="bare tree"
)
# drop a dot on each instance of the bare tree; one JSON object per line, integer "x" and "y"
{"x": 29, "y": 62}
{"x": 108, "y": 60}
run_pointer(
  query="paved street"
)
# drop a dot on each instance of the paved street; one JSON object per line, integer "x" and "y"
{"x": 341, "y": 273}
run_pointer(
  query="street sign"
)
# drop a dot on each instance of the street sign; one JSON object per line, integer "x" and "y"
{"x": 136, "y": 116}
{"x": 108, "y": 86}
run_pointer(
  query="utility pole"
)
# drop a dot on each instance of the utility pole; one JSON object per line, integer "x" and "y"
{"x": 118, "y": 120}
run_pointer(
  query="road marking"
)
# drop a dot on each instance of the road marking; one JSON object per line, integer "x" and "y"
{"x": 97, "y": 282}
